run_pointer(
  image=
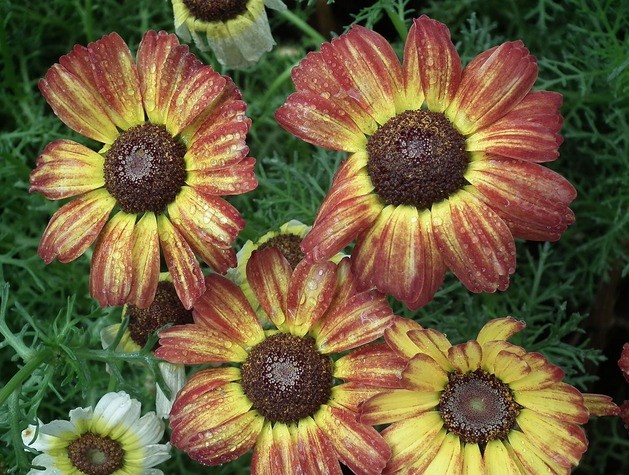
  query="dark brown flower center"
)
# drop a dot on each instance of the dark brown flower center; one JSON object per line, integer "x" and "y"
{"x": 144, "y": 168}
{"x": 289, "y": 246}
{"x": 216, "y": 10}
{"x": 286, "y": 378}
{"x": 478, "y": 407}
{"x": 166, "y": 308}
{"x": 417, "y": 158}
{"x": 96, "y": 455}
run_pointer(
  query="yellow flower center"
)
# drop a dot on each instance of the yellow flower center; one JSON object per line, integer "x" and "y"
{"x": 286, "y": 378}
{"x": 166, "y": 308}
{"x": 96, "y": 455}
{"x": 216, "y": 10}
{"x": 145, "y": 169}
{"x": 417, "y": 158}
{"x": 478, "y": 407}
{"x": 289, "y": 246}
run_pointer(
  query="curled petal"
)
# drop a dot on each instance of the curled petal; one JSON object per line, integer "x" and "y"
{"x": 474, "y": 242}
{"x": 182, "y": 265}
{"x": 66, "y": 168}
{"x": 396, "y": 336}
{"x": 110, "y": 273}
{"x": 194, "y": 344}
{"x": 75, "y": 226}
{"x": 499, "y": 329}
{"x": 530, "y": 198}
{"x": 434, "y": 344}
{"x": 492, "y": 349}
{"x": 144, "y": 262}
{"x": 268, "y": 274}
{"x": 508, "y": 366}
{"x": 492, "y": 84}
{"x": 375, "y": 365}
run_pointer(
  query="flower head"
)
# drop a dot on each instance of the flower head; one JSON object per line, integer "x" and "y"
{"x": 110, "y": 438}
{"x": 143, "y": 323}
{"x": 174, "y": 142}
{"x": 279, "y": 395}
{"x": 485, "y": 406}
{"x": 444, "y": 169}
{"x": 237, "y": 31}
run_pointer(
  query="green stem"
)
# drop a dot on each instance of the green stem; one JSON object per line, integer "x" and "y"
{"x": 276, "y": 84}
{"x": 398, "y": 23}
{"x": 89, "y": 21}
{"x": 303, "y": 26}
{"x": 23, "y": 374}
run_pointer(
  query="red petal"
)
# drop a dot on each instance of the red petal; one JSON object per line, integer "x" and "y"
{"x": 110, "y": 273}
{"x": 268, "y": 274}
{"x": 623, "y": 362}
{"x": 315, "y": 452}
{"x": 145, "y": 262}
{"x": 375, "y": 365}
{"x": 235, "y": 180}
{"x": 275, "y": 452}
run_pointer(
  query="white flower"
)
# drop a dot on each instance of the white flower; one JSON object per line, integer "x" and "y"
{"x": 237, "y": 31}
{"x": 112, "y": 438}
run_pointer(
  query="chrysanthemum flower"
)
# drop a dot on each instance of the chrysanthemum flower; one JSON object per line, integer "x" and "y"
{"x": 278, "y": 394}
{"x": 444, "y": 168}
{"x": 143, "y": 323}
{"x": 485, "y": 406}
{"x": 112, "y": 438}
{"x": 237, "y": 31}
{"x": 174, "y": 142}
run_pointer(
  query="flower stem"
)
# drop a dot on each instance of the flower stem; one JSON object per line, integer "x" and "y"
{"x": 303, "y": 26}
{"x": 398, "y": 23}
{"x": 23, "y": 374}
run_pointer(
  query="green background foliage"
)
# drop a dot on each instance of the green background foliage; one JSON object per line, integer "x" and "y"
{"x": 568, "y": 292}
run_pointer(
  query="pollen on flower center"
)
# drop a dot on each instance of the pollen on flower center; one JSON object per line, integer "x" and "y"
{"x": 286, "y": 378}
{"x": 289, "y": 246}
{"x": 478, "y": 407}
{"x": 96, "y": 455}
{"x": 166, "y": 308}
{"x": 144, "y": 168}
{"x": 417, "y": 158}
{"x": 216, "y": 10}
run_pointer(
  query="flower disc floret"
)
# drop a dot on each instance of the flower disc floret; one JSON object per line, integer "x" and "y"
{"x": 216, "y": 10}
{"x": 96, "y": 455}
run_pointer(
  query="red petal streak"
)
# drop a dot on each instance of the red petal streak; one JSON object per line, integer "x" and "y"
{"x": 434, "y": 344}
{"x": 440, "y": 66}
{"x": 315, "y": 452}
{"x": 623, "y": 361}
{"x": 196, "y": 344}
{"x": 346, "y": 286}
{"x": 499, "y": 329}
{"x": 268, "y": 274}
{"x": 474, "y": 242}
{"x": 182, "y": 265}
{"x": 218, "y": 148}
{"x": 600, "y": 405}
{"x": 223, "y": 443}
{"x": 275, "y": 452}
{"x": 321, "y": 122}
{"x": 542, "y": 375}
{"x": 396, "y": 336}
{"x": 111, "y": 272}
{"x": 492, "y": 84}
{"x": 75, "y": 226}
{"x": 228, "y": 111}
{"x": 374, "y": 365}
{"x": 358, "y": 446}
{"x": 531, "y": 199}
{"x": 541, "y": 107}
{"x": 224, "y": 307}
{"x": 77, "y": 105}
{"x": 560, "y": 401}
{"x": 151, "y": 59}
{"x": 424, "y": 374}
{"x": 396, "y": 405}
{"x": 312, "y": 74}
{"x": 66, "y": 168}
{"x": 209, "y": 224}
{"x": 116, "y": 77}
{"x": 411, "y": 70}
{"x": 363, "y": 319}
{"x": 145, "y": 262}
{"x": 350, "y": 396}
{"x": 465, "y": 357}
{"x": 310, "y": 291}
{"x": 365, "y": 66}
{"x": 235, "y": 180}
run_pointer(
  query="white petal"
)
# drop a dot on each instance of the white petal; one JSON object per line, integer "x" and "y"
{"x": 114, "y": 414}
{"x": 149, "y": 429}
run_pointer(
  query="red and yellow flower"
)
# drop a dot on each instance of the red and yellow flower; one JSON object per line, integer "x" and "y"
{"x": 277, "y": 394}
{"x": 174, "y": 142}
{"x": 444, "y": 170}
{"x": 485, "y": 406}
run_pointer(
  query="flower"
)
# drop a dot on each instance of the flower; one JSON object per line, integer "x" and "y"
{"x": 111, "y": 438}
{"x": 143, "y": 323}
{"x": 623, "y": 362}
{"x": 277, "y": 393}
{"x": 236, "y": 30}
{"x": 174, "y": 142}
{"x": 288, "y": 241}
{"x": 444, "y": 167}
{"x": 485, "y": 406}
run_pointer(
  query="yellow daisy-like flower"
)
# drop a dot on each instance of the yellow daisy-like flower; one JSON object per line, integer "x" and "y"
{"x": 278, "y": 393}
{"x": 174, "y": 136}
{"x": 110, "y": 439}
{"x": 443, "y": 172}
{"x": 481, "y": 407}
{"x": 144, "y": 322}
{"x": 237, "y": 31}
